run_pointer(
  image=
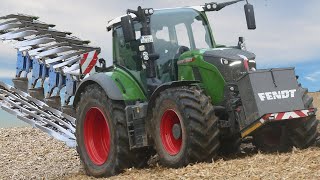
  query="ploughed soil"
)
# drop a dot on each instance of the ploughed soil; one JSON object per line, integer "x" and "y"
{"x": 27, "y": 153}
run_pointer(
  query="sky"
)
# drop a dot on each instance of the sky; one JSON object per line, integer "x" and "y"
{"x": 287, "y": 33}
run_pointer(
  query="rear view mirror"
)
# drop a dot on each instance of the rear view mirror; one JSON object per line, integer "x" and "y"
{"x": 128, "y": 28}
{"x": 251, "y": 21}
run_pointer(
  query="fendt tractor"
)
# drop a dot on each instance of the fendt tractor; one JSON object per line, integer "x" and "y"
{"x": 172, "y": 90}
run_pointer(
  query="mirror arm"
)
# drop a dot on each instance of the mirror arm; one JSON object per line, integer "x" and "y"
{"x": 225, "y": 4}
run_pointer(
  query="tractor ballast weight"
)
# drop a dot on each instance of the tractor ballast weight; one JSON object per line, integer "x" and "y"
{"x": 278, "y": 90}
{"x": 188, "y": 101}
{"x": 277, "y": 93}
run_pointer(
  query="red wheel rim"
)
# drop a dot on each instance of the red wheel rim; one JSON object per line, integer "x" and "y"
{"x": 96, "y": 136}
{"x": 169, "y": 142}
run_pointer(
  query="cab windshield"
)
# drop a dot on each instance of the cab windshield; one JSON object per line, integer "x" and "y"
{"x": 179, "y": 28}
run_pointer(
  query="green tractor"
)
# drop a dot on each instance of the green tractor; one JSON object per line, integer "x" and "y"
{"x": 172, "y": 90}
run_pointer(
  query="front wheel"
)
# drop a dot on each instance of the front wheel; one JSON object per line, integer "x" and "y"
{"x": 185, "y": 127}
{"x": 102, "y": 136}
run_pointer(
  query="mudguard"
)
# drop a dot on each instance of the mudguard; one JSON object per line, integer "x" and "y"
{"x": 165, "y": 86}
{"x": 106, "y": 82}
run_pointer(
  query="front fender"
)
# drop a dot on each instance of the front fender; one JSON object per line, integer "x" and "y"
{"x": 105, "y": 82}
{"x": 165, "y": 86}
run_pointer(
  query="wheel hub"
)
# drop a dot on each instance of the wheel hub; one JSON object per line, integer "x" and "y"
{"x": 176, "y": 131}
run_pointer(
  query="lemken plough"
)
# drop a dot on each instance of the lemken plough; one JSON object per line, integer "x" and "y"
{"x": 54, "y": 60}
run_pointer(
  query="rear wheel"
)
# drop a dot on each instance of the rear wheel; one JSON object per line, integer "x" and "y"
{"x": 185, "y": 127}
{"x": 102, "y": 136}
{"x": 303, "y": 132}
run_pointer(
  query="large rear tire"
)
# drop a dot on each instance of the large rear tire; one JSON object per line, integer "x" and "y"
{"x": 185, "y": 127}
{"x": 303, "y": 132}
{"x": 102, "y": 136}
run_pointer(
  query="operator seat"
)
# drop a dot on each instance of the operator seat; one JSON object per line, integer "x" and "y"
{"x": 166, "y": 51}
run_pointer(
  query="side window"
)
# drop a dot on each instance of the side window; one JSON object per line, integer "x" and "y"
{"x": 182, "y": 35}
{"x": 125, "y": 54}
{"x": 163, "y": 34}
{"x": 201, "y": 37}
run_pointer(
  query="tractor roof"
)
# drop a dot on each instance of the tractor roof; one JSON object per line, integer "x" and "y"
{"x": 117, "y": 20}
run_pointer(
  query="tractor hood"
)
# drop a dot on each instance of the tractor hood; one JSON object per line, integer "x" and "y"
{"x": 229, "y": 54}
{"x": 230, "y": 62}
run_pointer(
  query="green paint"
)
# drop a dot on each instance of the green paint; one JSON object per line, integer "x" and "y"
{"x": 128, "y": 85}
{"x": 211, "y": 78}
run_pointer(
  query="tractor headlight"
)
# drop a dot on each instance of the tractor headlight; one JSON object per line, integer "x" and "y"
{"x": 145, "y": 56}
{"x": 224, "y": 61}
{"x": 214, "y": 5}
{"x": 210, "y": 6}
{"x": 148, "y": 11}
{"x": 235, "y": 63}
{"x": 142, "y": 48}
{"x": 151, "y": 11}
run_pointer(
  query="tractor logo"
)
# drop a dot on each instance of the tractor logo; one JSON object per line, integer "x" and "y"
{"x": 277, "y": 95}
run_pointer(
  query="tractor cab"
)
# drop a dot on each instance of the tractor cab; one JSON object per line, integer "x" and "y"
{"x": 150, "y": 42}
{"x": 188, "y": 30}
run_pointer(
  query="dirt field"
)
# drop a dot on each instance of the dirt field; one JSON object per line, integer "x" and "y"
{"x": 27, "y": 153}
